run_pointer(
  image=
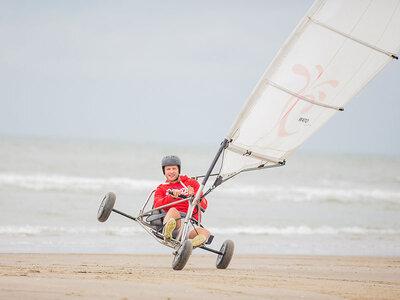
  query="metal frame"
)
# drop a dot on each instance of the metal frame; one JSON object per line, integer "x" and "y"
{"x": 173, "y": 243}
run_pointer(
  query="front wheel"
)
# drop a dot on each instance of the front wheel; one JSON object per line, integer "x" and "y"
{"x": 224, "y": 259}
{"x": 106, "y": 207}
{"x": 182, "y": 255}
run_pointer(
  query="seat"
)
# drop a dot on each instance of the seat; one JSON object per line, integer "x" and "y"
{"x": 155, "y": 219}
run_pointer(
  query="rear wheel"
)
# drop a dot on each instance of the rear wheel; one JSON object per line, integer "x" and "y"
{"x": 182, "y": 255}
{"x": 224, "y": 259}
{"x": 106, "y": 207}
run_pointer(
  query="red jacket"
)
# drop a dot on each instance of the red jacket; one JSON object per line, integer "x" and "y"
{"x": 162, "y": 196}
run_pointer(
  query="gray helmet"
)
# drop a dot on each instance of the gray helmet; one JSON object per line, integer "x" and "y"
{"x": 171, "y": 160}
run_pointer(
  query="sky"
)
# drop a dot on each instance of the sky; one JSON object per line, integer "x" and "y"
{"x": 173, "y": 72}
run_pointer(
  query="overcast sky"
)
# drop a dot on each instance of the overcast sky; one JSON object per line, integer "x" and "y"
{"x": 162, "y": 72}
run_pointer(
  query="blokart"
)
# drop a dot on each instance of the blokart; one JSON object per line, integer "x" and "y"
{"x": 151, "y": 219}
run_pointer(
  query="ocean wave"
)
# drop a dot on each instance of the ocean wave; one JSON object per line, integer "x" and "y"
{"x": 306, "y": 194}
{"x": 29, "y": 230}
{"x": 44, "y": 182}
{"x": 41, "y": 182}
{"x": 305, "y": 230}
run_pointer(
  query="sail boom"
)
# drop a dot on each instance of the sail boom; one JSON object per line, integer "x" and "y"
{"x": 250, "y": 153}
{"x": 302, "y": 97}
{"x": 392, "y": 55}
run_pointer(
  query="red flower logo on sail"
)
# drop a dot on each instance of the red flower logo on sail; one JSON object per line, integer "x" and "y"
{"x": 315, "y": 94}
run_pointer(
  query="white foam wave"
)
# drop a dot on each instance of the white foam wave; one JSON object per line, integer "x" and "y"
{"x": 43, "y": 182}
{"x": 305, "y": 230}
{"x": 29, "y": 230}
{"x": 304, "y": 194}
{"x": 40, "y": 182}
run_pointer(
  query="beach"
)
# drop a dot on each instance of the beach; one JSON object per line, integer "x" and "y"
{"x": 116, "y": 276}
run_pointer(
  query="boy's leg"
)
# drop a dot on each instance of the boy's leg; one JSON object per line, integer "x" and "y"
{"x": 199, "y": 230}
{"x": 170, "y": 223}
{"x": 199, "y": 236}
{"x": 173, "y": 213}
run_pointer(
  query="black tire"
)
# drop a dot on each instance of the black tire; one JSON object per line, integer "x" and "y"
{"x": 106, "y": 207}
{"x": 182, "y": 256}
{"x": 224, "y": 259}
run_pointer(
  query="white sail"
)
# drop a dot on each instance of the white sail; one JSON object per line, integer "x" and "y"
{"x": 335, "y": 50}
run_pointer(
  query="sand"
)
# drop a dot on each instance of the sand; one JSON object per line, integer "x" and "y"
{"x": 107, "y": 276}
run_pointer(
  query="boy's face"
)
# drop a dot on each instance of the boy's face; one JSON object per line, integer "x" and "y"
{"x": 171, "y": 173}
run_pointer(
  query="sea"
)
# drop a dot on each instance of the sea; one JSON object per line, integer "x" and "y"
{"x": 318, "y": 204}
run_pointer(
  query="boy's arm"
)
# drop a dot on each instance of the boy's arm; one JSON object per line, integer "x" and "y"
{"x": 160, "y": 197}
{"x": 196, "y": 187}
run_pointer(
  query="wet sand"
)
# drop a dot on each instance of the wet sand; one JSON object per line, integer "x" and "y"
{"x": 100, "y": 276}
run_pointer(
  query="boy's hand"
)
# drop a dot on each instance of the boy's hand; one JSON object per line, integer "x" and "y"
{"x": 175, "y": 193}
{"x": 190, "y": 191}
